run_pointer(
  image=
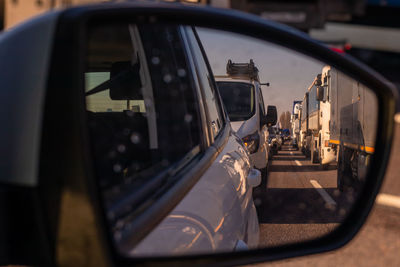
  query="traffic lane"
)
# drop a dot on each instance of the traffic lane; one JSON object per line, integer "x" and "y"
{"x": 378, "y": 242}
{"x": 391, "y": 184}
{"x": 300, "y": 201}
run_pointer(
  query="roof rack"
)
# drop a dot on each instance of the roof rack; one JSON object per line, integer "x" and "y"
{"x": 242, "y": 70}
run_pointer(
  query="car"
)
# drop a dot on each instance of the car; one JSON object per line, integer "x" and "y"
{"x": 243, "y": 99}
{"x": 273, "y": 141}
{"x": 120, "y": 142}
{"x": 279, "y": 137}
{"x": 286, "y": 135}
{"x": 135, "y": 110}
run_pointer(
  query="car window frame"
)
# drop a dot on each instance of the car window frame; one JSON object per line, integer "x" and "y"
{"x": 218, "y": 101}
{"x": 189, "y": 170}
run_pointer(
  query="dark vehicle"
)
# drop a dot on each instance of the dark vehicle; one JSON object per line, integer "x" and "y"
{"x": 274, "y": 140}
{"x": 286, "y": 135}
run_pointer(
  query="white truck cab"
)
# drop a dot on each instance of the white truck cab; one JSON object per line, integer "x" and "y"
{"x": 326, "y": 153}
{"x": 295, "y": 123}
{"x": 243, "y": 100}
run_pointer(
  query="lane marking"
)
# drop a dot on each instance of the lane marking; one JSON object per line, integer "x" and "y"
{"x": 323, "y": 193}
{"x": 388, "y": 200}
{"x": 298, "y": 162}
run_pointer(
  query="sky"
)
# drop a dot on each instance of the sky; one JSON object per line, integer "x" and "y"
{"x": 289, "y": 73}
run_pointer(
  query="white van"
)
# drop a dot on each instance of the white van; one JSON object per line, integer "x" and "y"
{"x": 241, "y": 93}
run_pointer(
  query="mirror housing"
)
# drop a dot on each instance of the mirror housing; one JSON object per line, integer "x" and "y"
{"x": 272, "y": 116}
{"x": 64, "y": 75}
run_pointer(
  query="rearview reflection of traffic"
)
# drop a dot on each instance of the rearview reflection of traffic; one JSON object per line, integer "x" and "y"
{"x": 320, "y": 148}
{"x": 293, "y": 139}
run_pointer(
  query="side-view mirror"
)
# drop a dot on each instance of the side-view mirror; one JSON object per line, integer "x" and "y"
{"x": 320, "y": 93}
{"x": 272, "y": 116}
{"x": 153, "y": 163}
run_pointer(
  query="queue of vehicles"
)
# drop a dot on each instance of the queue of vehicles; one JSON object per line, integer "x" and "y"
{"x": 252, "y": 126}
{"x": 334, "y": 125}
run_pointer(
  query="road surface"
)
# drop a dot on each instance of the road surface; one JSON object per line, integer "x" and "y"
{"x": 378, "y": 242}
{"x": 301, "y": 200}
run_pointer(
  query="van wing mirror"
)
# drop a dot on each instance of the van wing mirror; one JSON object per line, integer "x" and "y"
{"x": 272, "y": 116}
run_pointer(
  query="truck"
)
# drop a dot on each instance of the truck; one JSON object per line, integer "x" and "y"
{"x": 310, "y": 121}
{"x": 315, "y": 118}
{"x": 295, "y": 123}
{"x": 353, "y": 124}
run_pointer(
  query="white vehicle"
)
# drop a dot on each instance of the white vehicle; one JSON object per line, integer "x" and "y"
{"x": 315, "y": 123}
{"x": 242, "y": 96}
{"x": 295, "y": 124}
{"x": 325, "y": 152}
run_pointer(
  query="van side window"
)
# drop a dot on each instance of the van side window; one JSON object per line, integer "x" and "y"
{"x": 207, "y": 83}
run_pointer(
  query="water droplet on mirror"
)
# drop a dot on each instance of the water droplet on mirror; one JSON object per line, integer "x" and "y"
{"x": 336, "y": 193}
{"x": 135, "y": 138}
{"x": 183, "y": 86}
{"x": 111, "y": 215}
{"x": 342, "y": 212}
{"x": 117, "y": 236}
{"x": 119, "y": 224}
{"x": 121, "y": 148}
{"x": 181, "y": 72}
{"x": 188, "y": 118}
{"x": 117, "y": 168}
{"x": 302, "y": 206}
{"x": 330, "y": 206}
{"x": 257, "y": 201}
{"x": 155, "y": 60}
{"x": 165, "y": 162}
{"x": 126, "y": 131}
{"x": 135, "y": 166}
{"x": 153, "y": 19}
{"x": 167, "y": 78}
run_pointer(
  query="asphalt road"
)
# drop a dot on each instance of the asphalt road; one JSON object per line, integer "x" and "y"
{"x": 300, "y": 200}
{"x": 378, "y": 242}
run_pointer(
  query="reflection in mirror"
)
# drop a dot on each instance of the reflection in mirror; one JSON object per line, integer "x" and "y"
{"x": 154, "y": 93}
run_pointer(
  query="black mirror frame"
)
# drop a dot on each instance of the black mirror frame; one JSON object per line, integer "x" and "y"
{"x": 69, "y": 49}
{"x": 271, "y": 119}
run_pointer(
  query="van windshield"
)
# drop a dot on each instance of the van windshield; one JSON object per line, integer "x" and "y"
{"x": 238, "y": 99}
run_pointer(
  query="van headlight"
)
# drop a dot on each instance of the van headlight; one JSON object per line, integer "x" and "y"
{"x": 252, "y": 142}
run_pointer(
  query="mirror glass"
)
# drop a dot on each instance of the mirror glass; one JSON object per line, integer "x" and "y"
{"x": 158, "y": 96}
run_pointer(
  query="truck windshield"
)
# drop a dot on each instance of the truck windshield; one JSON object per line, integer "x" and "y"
{"x": 238, "y": 99}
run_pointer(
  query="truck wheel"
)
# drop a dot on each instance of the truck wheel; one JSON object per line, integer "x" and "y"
{"x": 262, "y": 188}
{"x": 314, "y": 153}
{"x": 324, "y": 166}
{"x": 343, "y": 172}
